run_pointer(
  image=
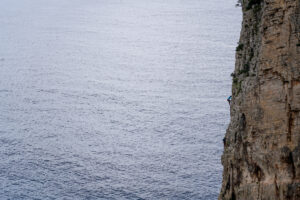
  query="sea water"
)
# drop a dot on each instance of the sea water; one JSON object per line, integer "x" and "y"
{"x": 114, "y": 99}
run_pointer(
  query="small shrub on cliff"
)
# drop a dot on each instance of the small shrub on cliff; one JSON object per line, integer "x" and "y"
{"x": 245, "y": 70}
{"x": 235, "y": 80}
{"x": 298, "y": 45}
{"x": 253, "y": 3}
{"x": 240, "y": 47}
{"x": 237, "y": 86}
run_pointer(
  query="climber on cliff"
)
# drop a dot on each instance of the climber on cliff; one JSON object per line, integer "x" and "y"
{"x": 229, "y": 99}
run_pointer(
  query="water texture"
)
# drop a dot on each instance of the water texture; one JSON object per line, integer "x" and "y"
{"x": 114, "y": 99}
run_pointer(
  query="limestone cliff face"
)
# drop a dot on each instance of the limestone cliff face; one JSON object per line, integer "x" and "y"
{"x": 262, "y": 145}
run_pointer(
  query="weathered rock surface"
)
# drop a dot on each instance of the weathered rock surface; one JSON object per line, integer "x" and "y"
{"x": 262, "y": 145}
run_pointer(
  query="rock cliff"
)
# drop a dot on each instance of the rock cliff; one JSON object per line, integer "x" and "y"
{"x": 262, "y": 145}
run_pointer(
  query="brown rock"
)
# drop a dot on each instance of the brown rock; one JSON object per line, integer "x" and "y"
{"x": 262, "y": 145}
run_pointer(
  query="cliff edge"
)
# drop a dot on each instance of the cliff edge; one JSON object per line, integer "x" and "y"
{"x": 262, "y": 145}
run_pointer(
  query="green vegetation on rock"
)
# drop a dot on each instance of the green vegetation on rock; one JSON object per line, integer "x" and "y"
{"x": 240, "y": 47}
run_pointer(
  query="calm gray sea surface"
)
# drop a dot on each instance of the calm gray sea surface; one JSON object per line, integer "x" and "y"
{"x": 114, "y": 99}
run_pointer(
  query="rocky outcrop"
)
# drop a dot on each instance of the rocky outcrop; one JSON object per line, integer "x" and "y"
{"x": 262, "y": 145}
